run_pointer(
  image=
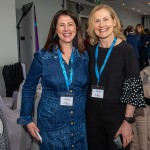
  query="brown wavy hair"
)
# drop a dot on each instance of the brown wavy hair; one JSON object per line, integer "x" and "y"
{"x": 90, "y": 30}
{"x": 142, "y": 29}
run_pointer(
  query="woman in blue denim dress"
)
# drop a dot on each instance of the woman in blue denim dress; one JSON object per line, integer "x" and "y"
{"x": 62, "y": 67}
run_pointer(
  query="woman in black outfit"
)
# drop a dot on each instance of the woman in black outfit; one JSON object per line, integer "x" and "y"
{"x": 115, "y": 85}
{"x": 143, "y": 54}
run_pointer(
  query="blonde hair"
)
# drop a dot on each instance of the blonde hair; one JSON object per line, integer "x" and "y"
{"x": 90, "y": 30}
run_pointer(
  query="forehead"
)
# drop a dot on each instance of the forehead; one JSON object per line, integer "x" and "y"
{"x": 102, "y": 13}
{"x": 64, "y": 19}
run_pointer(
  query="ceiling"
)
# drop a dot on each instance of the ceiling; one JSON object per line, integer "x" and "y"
{"x": 138, "y": 6}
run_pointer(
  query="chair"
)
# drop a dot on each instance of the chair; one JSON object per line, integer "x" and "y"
{"x": 14, "y": 130}
{"x": 4, "y": 142}
{"x": 26, "y": 140}
{"x": 8, "y": 101}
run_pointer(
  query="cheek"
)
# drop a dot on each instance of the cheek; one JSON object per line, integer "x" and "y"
{"x": 95, "y": 27}
{"x": 75, "y": 30}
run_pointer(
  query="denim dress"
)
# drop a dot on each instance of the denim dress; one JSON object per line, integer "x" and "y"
{"x": 61, "y": 127}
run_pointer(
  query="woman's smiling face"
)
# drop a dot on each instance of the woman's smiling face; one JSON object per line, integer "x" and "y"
{"x": 66, "y": 29}
{"x": 103, "y": 24}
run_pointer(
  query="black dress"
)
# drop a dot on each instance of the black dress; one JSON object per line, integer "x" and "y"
{"x": 122, "y": 85}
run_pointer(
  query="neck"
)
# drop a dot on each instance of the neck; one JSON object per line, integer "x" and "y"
{"x": 67, "y": 50}
{"x": 106, "y": 43}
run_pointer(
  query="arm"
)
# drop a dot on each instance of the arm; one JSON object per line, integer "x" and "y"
{"x": 132, "y": 93}
{"x": 126, "y": 129}
{"x": 129, "y": 110}
{"x": 29, "y": 89}
{"x": 28, "y": 92}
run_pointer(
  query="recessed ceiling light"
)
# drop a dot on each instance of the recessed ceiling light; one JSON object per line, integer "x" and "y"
{"x": 138, "y": 10}
{"x": 145, "y": 13}
{"x": 123, "y": 4}
{"x": 149, "y": 3}
{"x": 132, "y": 8}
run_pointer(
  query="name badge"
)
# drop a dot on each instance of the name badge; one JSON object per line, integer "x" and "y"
{"x": 66, "y": 99}
{"x": 97, "y": 92}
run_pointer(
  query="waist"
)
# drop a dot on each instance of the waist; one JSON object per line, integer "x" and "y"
{"x": 103, "y": 102}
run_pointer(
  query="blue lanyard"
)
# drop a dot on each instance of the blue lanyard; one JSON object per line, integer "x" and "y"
{"x": 99, "y": 72}
{"x": 68, "y": 81}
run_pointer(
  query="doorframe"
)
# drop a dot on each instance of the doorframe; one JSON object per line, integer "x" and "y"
{"x": 86, "y": 17}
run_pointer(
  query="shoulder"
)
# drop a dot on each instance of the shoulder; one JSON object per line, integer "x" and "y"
{"x": 125, "y": 49}
{"x": 42, "y": 54}
{"x": 124, "y": 46}
{"x": 91, "y": 49}
{"x": 83, "y": 55}
{"x": 137, "y": 36}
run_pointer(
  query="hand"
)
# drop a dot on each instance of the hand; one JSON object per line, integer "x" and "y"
{"x": 126, "y": 131}
{"x": 31, "y": 128}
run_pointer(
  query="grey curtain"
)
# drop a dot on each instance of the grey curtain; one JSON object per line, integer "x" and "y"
{"x": 146, "y": 21}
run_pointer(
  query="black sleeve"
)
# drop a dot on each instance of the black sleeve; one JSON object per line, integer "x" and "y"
{"x": 133, "y": 89}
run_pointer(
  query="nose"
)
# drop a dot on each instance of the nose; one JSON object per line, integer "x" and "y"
{"x": 66, "y": 28}
{"x": 101, "y": 23}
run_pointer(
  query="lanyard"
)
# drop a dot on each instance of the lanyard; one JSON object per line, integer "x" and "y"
{"x": 99, "y": 72}
{"x": 68, "y": 81}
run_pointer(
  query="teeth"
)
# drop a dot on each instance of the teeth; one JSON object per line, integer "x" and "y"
{"x": 67, "y": 34}
{"x": 102, "y": 30}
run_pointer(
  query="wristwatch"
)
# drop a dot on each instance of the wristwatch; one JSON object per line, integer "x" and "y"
{"x": 129, "y": 119}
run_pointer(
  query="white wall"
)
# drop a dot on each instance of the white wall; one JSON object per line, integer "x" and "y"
{"x": 127, "y": 17}
{"x": 8, "y": 37}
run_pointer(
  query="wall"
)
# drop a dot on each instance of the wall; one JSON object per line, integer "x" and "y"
{"x": 45, "y": 11}
{"x": 8, "y": 37}
{"x": 127, "y": 17}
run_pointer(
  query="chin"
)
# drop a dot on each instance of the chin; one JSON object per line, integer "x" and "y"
{"x": 105, "y": 36}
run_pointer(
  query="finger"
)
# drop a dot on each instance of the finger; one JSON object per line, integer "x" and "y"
{"x": 131, "y": 138}
{"x": 33, "y": 133}
{"x": 128, "y": 141}
{"x": 117, "y": 134}
{"x": 36, "y": 136}
{"x": 124, "y": 142}
{"x": 36, "y": 128}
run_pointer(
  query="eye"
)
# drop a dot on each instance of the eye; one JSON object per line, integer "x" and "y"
{"x": 61, "y": 25}
{"x": 97, "y": 21}
{"x": 105, "y": 19}
{"x": 70, "y": 24}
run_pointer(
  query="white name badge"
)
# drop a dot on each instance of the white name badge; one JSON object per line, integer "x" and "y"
{"x": 66, "y": 101}
{"x": 98, "y": 93}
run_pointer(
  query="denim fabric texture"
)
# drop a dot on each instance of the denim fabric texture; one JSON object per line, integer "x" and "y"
{"x": 61, "y": 127}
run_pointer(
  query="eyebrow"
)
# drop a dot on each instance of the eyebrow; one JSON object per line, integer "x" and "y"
{"x": 64, "y": 22}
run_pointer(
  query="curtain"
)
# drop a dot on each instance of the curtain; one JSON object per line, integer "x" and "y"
{"x": 146, "y": 21}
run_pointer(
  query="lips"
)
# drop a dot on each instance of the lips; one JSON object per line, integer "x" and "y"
{"x": 66, "y": 34}
{"x": 102, "y": 30}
